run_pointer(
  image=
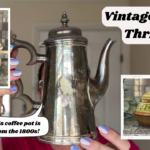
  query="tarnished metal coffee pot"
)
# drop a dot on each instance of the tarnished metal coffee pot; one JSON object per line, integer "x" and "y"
{"x": 69, "y": 95}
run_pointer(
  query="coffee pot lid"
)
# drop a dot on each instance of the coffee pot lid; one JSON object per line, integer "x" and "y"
{"x": 65, "y": 34}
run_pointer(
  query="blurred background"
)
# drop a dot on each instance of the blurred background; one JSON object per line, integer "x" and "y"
{"x": 31, "y": 21}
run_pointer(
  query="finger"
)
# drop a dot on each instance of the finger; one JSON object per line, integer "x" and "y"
{"x": 12, "y": 90}
{"x": 14, "y": 63}
{"x": 90, "y": 144}
{"x": 15, "y": 52}
{"x": 73, "y": 147}
{"x": 15, "y": 75}
{"x": 114, "y": 138}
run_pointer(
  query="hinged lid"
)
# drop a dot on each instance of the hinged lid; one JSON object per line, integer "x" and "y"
{"x": 65, "y": 34}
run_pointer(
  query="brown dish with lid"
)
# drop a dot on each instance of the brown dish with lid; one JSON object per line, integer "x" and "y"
{"x": 142, "y": 113}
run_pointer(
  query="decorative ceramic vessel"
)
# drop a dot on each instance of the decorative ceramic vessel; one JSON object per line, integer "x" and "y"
{"x": 142, "y": 113}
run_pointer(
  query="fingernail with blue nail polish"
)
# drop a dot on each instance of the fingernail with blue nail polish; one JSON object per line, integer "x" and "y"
{"x": 103, "y": 129}
{"x": 11, "y": 46}
{"x": 17, "y": 73}
{"x": 13, "y": 88}
{"x": 74, "y": 148}
{"x": 85, "y": 141}
{"x": 14, "y": 62}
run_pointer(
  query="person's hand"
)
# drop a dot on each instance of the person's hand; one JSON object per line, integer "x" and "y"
{"x": 112, "y": 136}
{"x": 14, "y": 75}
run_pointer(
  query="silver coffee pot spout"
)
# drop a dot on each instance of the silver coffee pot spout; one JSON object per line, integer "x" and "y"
{"x": 98, "y": 85}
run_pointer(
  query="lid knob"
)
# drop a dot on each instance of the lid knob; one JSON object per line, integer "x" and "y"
{"x": 64, "y": 19}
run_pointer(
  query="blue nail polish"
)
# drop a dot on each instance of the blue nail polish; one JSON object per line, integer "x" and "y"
{"x": 17, "y": 73}
{"x": 74, "y": 148}
{"x": 11, "y": 46}
{"x": 13, "y": 88}
{"x": 103, "y": 129}
{"x": 85, "y": 141}
{"x": 14, "y": 62}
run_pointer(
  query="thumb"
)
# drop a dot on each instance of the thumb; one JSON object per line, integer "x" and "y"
{"x": 12, "y": 90}
{"x": 114, "y": 137}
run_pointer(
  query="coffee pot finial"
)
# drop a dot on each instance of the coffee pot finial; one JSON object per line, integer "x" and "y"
{"x": 64, "y": 19}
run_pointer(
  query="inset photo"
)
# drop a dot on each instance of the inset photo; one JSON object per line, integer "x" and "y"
{"x": 135, "y": 107}
{"x": 4, "y": 47}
